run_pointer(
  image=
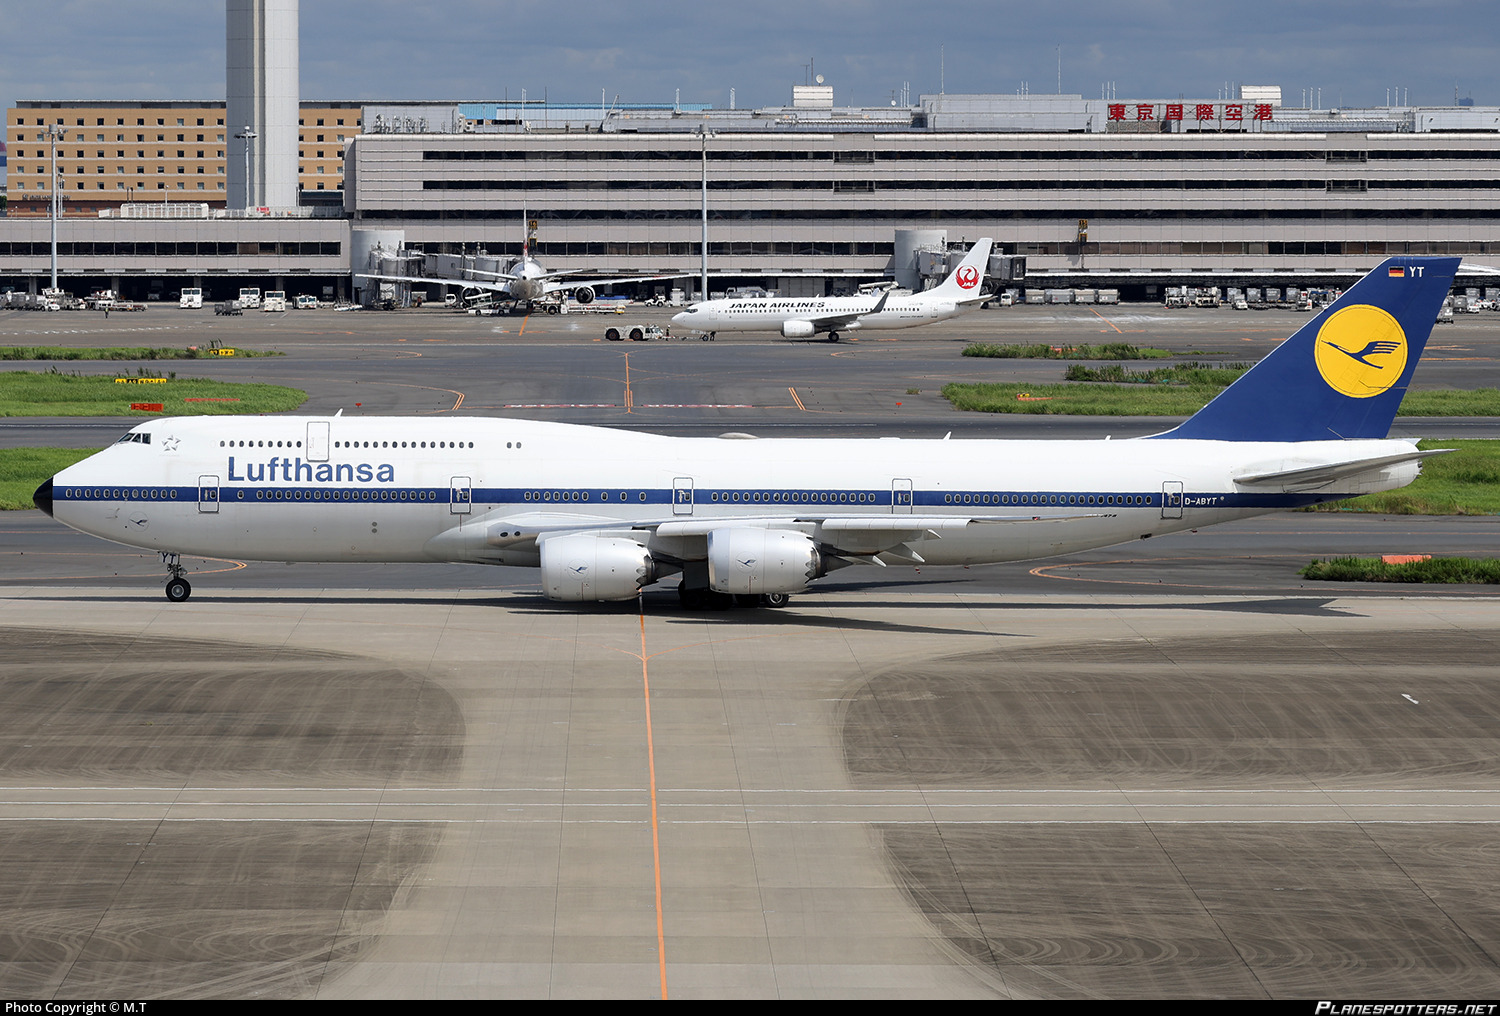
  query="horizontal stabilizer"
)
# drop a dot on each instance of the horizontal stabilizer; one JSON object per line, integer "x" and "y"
{"x": 1327, "y": 472}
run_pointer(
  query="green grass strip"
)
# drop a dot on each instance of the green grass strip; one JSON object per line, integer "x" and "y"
{"x": 1446, "y": 570}
{"x": 1080, "y": 399}
{"x": 22, "y": 471}
{"x": 1221, "y": 376}
{"x": 1041, "y": 351}
{"x": 52, "y": 393}
{"x": 1176, "y": 399}
{"x": 1465, "y": 482}
{"x": 123, "y": 353}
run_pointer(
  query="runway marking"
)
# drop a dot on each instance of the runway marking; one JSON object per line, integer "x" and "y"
{"x": 661, "y": 942}
{"x": 428, "y": 388}
{"x": 1106, "y": 320}
{"x": 743, "y": 823}
{"x": 1045, "y": 571}
{"x": 797, "y": 400}
{"x": 91, "y": 331}
{"x": 524, "y": 322}
{"x": 927, "y": 806}
{"x": 380, "y": 794}
{"x": 1410, "y": 699}
{"x": 629, "y": 395}
{"x": 233, "y": 566}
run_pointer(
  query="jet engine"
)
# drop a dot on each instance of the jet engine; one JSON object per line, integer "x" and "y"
{"x": 796, "y": 329}
{"x": 754, "y": 561}
{"x": 583, "y": 567}
{"x": 583, "y": 294}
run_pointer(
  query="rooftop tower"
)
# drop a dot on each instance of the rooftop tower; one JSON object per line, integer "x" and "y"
{"x": 261, "y": 93}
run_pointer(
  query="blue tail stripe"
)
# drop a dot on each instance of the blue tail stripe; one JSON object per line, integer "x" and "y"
{"x": 1286, "y": 397}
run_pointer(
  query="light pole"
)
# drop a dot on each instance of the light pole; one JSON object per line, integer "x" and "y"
{"x": 703, "y": 135}
{"x": 249, "y": 137}
{"x": 54, "y": 134}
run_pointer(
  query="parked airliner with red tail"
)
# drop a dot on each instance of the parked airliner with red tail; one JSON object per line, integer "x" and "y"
{"x": 803, "y": 317}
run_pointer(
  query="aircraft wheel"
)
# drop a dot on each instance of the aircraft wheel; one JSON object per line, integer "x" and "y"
{"x": 178, "y": 590}
{"x": 612, "y": 334}
{"x": 776, "y": 599}
{"x": 833, "y": 336}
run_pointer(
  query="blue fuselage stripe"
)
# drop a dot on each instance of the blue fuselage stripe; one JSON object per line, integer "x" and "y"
{"x": 526, "y": 497}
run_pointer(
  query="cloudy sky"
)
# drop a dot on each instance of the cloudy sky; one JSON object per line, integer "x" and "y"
{"x": 646, "y": 50}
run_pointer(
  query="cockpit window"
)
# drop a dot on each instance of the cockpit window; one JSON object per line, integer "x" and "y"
{"x": 136, "y": 437}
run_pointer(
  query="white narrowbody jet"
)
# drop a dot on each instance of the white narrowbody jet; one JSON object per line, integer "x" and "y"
{"x": 606, "y": 512}
{"x": 802, "y": 317}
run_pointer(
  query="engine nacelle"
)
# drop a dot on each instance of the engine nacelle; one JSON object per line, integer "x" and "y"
{"x": 583, "y": 294}
{"x": 582, "y": 568}
{"x": 753, "y": 561}
{"x": 796, "y": 329}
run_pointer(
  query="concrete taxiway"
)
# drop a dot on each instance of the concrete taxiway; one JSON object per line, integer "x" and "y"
{"x": 1171, "y": 769}
{"x": 931, "y": 793}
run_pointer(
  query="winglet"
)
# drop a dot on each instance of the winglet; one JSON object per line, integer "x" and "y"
{"x": 1341, "y": 375}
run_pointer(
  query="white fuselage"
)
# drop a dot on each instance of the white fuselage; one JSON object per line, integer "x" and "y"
{"x": 528, "y": 279}
{"x": 762, "y": 314}
{"x": 487, "y": 490}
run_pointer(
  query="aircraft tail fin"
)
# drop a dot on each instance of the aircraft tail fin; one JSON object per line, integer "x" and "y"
{"x": 966, "y": 281}
{"x": 1343, "y": 374}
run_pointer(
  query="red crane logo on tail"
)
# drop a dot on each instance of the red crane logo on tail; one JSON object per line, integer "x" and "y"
{"x": 967, "y": 277}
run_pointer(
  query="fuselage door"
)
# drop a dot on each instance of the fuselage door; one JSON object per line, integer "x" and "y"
{"x": 317, "y": 441}
{"x": 900, "y": 496}
{"x": 208, "y": 495}
{"x": 682, "y": 495}
{"x": 1171, "y": 499}
{"x": 460, "y": 495}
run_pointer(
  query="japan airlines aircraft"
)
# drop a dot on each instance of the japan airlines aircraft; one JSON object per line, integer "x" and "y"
{"x": 799, "y": 317}
{"x": 605, "y": 512}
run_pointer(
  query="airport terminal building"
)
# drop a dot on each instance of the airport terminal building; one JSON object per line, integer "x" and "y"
{"x": 808, "y": 197}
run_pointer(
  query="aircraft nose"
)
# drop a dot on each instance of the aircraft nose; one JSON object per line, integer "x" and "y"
{"x": 43, "y": 497}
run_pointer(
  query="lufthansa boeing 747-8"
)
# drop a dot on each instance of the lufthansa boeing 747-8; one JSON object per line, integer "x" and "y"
{"x": 603, "y": 513}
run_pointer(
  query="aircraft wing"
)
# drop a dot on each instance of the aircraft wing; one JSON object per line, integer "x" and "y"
{"x": 837, "y": 322}
{"x": 554, "y": 283}
{"x": 498, "y": 287}
{"x": 859, "y": 538}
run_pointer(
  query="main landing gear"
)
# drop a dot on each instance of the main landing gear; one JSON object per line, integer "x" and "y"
{"x": 833, "y": 336}
{"x": 178, "y": 588}
{"x": 709, "y": 599}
